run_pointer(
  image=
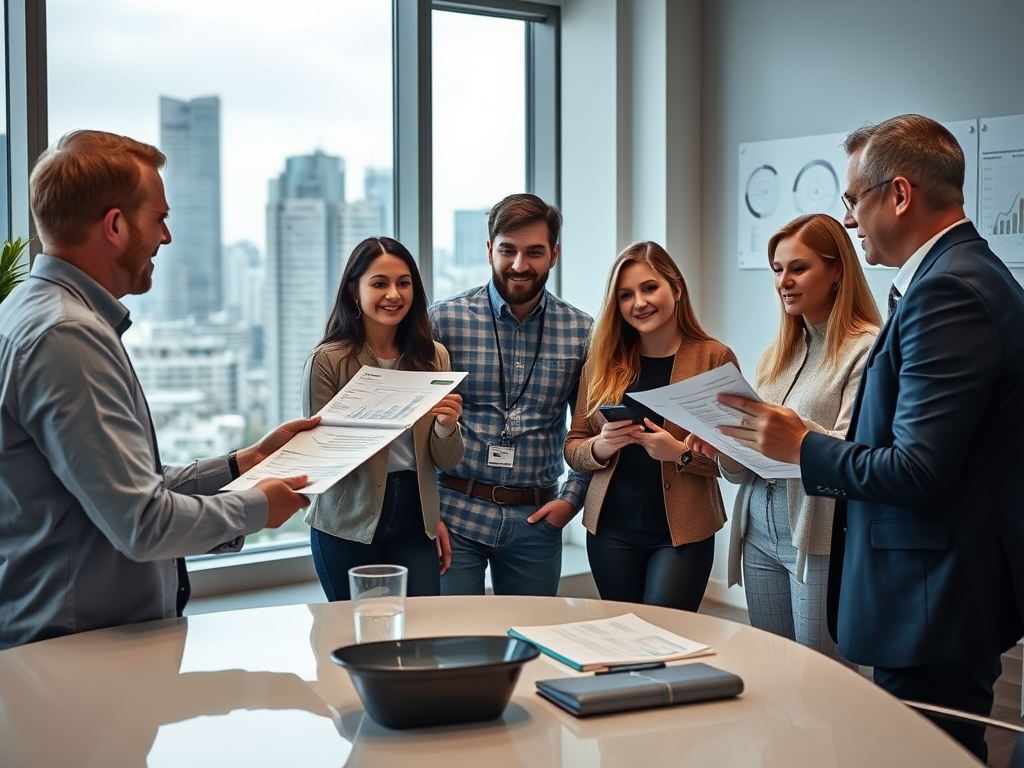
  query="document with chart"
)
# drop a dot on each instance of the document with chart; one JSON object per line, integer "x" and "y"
{"x": 693, "y": 405}
{"x": 374, "y": 408}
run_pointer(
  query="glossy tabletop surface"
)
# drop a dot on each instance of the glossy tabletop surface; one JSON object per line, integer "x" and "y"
{"x": 257, "y": 688}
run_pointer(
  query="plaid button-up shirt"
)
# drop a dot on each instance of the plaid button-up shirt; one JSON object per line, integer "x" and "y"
{"x": 535, "y": 425}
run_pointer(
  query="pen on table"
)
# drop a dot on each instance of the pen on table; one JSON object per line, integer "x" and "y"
{"x": 630, "y": 667}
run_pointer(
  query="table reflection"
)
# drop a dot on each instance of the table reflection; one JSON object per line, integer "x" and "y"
{"x": 151, "y": 711}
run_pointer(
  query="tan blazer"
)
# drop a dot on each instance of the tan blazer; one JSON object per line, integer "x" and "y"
{"x": 693, "y": 501}
{"x": 351, "y": 508}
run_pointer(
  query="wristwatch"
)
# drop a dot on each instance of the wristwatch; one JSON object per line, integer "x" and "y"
{"x": 684, "y": 458}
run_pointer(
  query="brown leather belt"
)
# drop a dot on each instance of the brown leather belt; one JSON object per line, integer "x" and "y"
{"x": 501, "y": 494}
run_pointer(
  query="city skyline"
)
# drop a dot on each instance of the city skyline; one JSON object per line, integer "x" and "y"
{"x": 333, "y": 92}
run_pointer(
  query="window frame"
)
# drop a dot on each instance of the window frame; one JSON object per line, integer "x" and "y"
{"x": 413, "y": 161}
{"x": 27, "y": 131}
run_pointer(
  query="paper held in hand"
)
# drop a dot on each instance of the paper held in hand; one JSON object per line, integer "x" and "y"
{"x": 592, "y": 646}
{"x": 370, "y": 411}
{"x": 693, "y": 405}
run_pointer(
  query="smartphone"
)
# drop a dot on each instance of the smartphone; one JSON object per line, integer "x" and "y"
{"x": 619, "y": 413}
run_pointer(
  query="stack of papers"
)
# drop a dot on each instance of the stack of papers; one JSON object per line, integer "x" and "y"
{"x": 374, "y": 408}
{"x": 594, "y": 646}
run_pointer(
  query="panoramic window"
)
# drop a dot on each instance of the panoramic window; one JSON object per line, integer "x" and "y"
{"x": 479, "y": 138}
{"x": 276, "y": 120}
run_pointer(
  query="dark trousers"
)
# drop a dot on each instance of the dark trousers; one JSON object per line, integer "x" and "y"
{"x": 651, "y": 572}
{"x": 398, "y": 540}
{"x": 967, "y": 687}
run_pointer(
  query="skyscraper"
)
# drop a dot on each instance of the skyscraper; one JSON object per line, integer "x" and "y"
{"x": 356, "y": 222}
{"x": 303, "y": 270}
{"x": 378, "y": 186}
{"x": 189, "y": 284}
{"x": 470, "y": 238}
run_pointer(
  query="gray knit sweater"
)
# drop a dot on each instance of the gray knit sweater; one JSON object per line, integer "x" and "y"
{"x": 823, "y": 396}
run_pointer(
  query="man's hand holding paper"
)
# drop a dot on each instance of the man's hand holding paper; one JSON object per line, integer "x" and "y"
{"x": 771, "y": 430}
{"x": 705, "y": 405}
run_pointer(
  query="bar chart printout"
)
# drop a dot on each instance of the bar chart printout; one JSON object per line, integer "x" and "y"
{"x": 1001, "y": 179}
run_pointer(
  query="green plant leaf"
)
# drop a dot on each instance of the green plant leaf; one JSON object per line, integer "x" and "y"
{"x": 12, "y": 266}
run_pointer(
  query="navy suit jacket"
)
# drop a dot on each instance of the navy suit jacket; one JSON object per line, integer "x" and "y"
{"x": 928, "y": 534}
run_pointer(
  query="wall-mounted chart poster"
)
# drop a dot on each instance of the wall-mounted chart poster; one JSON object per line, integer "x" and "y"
{"x": 1001, "y": 186}
{"x": 782, "y": 179}
{"x": 785, "y": 178}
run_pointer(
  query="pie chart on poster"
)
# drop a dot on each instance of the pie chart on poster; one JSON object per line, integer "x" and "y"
{"x": 816, "y": 187}
{"x": 762, "y": 193}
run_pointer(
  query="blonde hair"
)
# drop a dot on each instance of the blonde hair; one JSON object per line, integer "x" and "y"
{"x": 74, "y": 183}
{"x": 614, "y": 346}
{"x": 853, "y": 310}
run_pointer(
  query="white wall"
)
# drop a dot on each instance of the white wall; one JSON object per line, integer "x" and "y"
{"x": 658, "y": 94}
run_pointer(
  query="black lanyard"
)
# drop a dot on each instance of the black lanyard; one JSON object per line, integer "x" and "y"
{"x": 501, "y": 363}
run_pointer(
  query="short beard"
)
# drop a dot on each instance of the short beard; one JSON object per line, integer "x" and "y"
{"x": 517, "y": 298}
{"x": 140, "y": 280}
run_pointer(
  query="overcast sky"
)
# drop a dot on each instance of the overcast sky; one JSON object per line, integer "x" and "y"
{"x": 292, "y": 78}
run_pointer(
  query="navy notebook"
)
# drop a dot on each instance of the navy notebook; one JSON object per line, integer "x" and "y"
{"x": 624, "y": 691}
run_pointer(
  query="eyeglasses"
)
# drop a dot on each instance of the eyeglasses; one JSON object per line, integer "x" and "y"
{"x": 164, "y": 214}
{"x": 850, "y": 201}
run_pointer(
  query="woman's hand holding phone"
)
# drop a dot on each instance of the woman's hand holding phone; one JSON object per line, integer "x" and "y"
{"x": 615, "y": 434}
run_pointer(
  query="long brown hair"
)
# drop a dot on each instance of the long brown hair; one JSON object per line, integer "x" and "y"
{"x": 614, "y": 346}
{"x": 413, "y": 334}
{"x": 853, "y": 310}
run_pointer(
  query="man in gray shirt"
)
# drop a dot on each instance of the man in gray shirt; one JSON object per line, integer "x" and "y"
{"x": 92, "y": 526}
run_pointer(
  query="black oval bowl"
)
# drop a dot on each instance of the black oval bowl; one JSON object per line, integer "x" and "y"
{"x": 435, "y": 680}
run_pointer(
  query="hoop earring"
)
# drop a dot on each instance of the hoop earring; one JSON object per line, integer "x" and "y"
{"x": 835, "y": 285}
{"x": 359, "y": 310}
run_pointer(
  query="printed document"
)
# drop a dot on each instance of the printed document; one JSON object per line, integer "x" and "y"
{"x": 693, "y": 405}
{"x": 370, "y": 411}
{"x": 603, "y": 643}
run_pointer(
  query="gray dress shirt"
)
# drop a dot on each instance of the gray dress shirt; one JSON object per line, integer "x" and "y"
{"x": 88, "y": 528}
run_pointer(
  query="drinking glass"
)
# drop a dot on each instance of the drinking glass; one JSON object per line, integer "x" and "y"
{"x": 378, "y": 601}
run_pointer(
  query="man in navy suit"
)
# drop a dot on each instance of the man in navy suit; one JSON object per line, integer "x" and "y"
{"x": 927, "y": 533}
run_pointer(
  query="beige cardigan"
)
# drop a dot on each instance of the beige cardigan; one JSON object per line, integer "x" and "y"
{"x": 693, "y": 502}
{"x": 823, "y": 398}
{"x": 351, "y": 508}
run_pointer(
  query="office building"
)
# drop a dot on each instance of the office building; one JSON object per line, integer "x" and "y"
{"x": 356, "y": 222}
{"x": 379, "y": 186}
{"x": 190, "y": 267}
{"x": 470, "y": 238}
{"x": 302, "y": 270}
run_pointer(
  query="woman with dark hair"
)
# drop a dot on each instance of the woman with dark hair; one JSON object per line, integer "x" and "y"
{"x": 780, "y": 537}
{"x": 387, "y": 510}
{"x": 652, "y": 509}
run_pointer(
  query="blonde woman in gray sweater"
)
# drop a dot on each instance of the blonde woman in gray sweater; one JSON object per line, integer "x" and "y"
{"x": 780, "y": 537}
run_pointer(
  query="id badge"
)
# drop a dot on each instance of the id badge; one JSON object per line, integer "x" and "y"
{"x": 500, "y": 456}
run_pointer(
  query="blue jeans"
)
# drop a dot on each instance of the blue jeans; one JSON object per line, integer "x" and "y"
{"x": 526, "y": 559}
{"x": 398, "y": 540}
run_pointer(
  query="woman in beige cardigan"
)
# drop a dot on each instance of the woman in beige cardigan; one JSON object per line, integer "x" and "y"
{"x": 652, "y": 509}
{"x": 780, "y": 537}
{"x": 387, "y": 510}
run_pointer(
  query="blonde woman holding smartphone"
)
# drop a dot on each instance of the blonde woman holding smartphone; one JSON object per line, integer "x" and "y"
{"x": 652, "y": 509}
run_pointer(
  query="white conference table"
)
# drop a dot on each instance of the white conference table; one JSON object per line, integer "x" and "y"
{"x": 257, "y": 688}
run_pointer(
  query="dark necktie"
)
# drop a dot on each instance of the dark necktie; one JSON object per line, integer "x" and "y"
{"x": 894, "y": 296}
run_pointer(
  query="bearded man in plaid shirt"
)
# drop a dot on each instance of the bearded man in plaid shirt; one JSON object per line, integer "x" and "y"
{"x": 523, "y": 348}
